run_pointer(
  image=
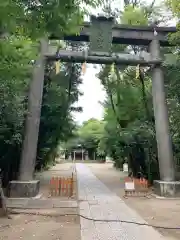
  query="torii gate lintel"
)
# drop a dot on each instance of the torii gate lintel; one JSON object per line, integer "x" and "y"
{"x": 124, "y": 34}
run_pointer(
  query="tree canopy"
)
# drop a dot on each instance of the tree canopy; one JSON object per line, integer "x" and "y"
{"x": 126, "y": 132}
{"x": 128, "y": 124}
{"x": 22, "y": 24}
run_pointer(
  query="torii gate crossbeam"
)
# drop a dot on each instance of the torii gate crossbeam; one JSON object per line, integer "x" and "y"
{"x": 125, "y": 34}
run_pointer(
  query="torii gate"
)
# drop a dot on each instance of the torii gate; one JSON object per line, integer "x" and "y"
{"x": 102, "y": 33}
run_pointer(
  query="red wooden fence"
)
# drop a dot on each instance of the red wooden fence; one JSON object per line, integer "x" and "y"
{"x": 60, "y": 186}
{"x": 136, "y": 187}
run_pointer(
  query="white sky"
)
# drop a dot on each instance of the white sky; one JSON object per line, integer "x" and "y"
{"x": 93, "y": 90}
{"x": 93, "y": 93}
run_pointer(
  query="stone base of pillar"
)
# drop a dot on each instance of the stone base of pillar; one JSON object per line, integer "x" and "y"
{"x": 24, "y": 189}
{"x": 167, "y": 189}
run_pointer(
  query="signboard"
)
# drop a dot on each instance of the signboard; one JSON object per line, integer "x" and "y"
{"x": 129, "y": 186}
{"x": 125, "y": 167}
{"x": 100, "y": 40}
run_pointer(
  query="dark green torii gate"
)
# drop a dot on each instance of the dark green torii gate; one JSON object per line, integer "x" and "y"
{"x": 122, "y": 34}
{"x": 101, "y": 30}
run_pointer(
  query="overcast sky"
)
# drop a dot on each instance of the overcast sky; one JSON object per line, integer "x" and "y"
{"x": 93, "y": 93}
{"x": 93, "y": 90}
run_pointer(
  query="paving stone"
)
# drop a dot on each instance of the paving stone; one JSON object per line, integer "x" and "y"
{"x": 86, "y": 224}
{"x": 98, "y": 202}
{"x": 40, "y": 203}
{"x": 89, "y": 234}
{"x": 104, "y": 231}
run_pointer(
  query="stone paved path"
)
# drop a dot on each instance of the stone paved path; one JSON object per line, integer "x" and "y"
{"x": 24, "y": 203}
{"x": 97, "y": 201}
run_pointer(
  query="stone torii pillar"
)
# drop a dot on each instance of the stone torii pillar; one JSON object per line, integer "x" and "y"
{"x": 26, "y": 186}
{"x": 166, "y": 186}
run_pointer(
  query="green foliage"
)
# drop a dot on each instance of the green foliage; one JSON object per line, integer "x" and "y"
{"x": 16, "y": 56}
{"x": 134, "y": 16}
{"x": 174, "y": 7}
{"x": 129, "y": 133}
{"x": 88, "y": 136}
{"x": 22, "y": 24}
{"x": 37, "y": 18}
{"x": 91, "y": 133}
{"x": 56, "y": 121}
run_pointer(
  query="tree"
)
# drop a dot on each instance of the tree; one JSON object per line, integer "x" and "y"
{"x": 174, "y": 7}
{"x": 60, "y": 92}
{"x": 90, "y": 134}
{"x": 129, "y": 122}
{"x": 20, "y": 34}
{"x": 36, "y": 18}
{"x": 16, "y": 56}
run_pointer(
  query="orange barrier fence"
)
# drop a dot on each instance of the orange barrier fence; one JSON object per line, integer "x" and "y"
{"x": 60, "y": 186}
{"x": 136, "y": 187}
